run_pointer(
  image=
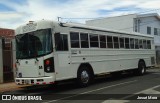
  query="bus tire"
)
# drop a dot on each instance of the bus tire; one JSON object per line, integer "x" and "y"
{"x": 141, "y": 68}
{"x": 84, "y": 76}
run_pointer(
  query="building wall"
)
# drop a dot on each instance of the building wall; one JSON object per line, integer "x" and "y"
{"x": 152, "y": 22}
{"x": 118, "y": 23}
{"x": 6, "y": 32}
{"x": 6, "y": 57}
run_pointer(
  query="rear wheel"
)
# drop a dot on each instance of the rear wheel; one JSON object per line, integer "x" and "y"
{"x": 84, "y": 76}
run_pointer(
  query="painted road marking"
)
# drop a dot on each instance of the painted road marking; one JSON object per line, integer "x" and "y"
{"x": 91, "y": 91}
{"x": 124, "y": 99}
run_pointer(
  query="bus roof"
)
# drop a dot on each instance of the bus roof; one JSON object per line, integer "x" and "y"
{"x": 83, "y": 26}
{"x": 48, "y": 23}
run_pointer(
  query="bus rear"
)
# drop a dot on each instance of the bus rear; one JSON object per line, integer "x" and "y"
{"x": 34, "y": 54}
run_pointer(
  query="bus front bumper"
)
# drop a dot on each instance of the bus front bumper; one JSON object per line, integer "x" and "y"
{"x": 34, "y": 81}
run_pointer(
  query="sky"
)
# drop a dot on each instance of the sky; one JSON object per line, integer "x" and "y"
{"x": 14, "y": 13}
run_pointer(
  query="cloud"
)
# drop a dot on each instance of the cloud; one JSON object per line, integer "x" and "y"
{"x": 10, "y": 15}
{"x": 27, "y": 10}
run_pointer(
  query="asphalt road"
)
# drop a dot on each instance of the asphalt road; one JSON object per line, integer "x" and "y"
{"x": 124, "y": 89}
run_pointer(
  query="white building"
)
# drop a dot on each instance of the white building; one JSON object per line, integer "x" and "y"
{"x": 142, "y": 23}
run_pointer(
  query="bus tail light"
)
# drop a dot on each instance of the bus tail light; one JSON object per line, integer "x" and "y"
{"x": 49, "y": 65}
{"x": 47, "y": 62}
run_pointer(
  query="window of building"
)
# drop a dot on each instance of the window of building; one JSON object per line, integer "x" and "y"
{"x": 127, "y": 43}
{"x": 74, "y": 39}
{"x": 144, "y": 44}
{"x": 116, "y": 42}
{"x": 155, "y": 31}
{"x": 148, "y": 30}
{"x": 131, "y": 43}
{"x": 109, "y": 42}
{"x": 102, "y": 41}
{"x": 61, "y": 42}
{"x": 84, "y": 40}
{"x": 136, "y": 44}
{"x": 140, "y": 44}
{"x": 121, "y": 42}
{"x": 94, "y": 40}
{"x": 148, "y": 44}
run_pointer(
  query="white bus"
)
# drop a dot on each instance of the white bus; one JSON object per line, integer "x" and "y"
{"x": 47, "y": 52}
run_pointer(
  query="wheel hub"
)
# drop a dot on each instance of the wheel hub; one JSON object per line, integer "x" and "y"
{"x": 84, "y": 76}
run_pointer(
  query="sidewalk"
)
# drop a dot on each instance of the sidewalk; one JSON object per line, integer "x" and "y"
{"x": 4, "y": 87}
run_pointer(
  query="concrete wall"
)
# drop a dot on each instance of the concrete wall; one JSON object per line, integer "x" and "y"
{"x": 124, "y": 22}
{"x": 1, "y": 62}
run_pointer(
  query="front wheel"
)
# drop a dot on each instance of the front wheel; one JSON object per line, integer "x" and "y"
{"x": 84, "y": 77}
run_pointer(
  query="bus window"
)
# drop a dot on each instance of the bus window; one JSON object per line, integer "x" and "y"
{"x": 131, "y": 43}
{"x": 144, "y": 44}
{"x": 84, "y": 40}
{"x": 136, "y": 44}
{"x": 116, "y": 42}
{"x": 121, "y": 42}
{"x": 61, "y": 42}
{"x": 127, "y": 43}
{"x": 74, "y": 39}
{"x": 109, "y": 42}
{"x": 148, "y": 44}
{"x": 94, "y": 40}
{"x": 140, "y": 44}
{"x": 102, "y": 41}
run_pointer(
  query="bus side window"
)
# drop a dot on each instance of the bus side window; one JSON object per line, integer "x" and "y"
{"x": 136, "y": 44}
{"x": 74, "y": 36}
{"x": 148, "y": 44}
{"x": 102, "y": 41}
{"x": 132, "y": 45}
{"x": 61, "y": 42}
{"x": 84, "y": 40}
{"x": 109, "y": 42}
{"x": 121, "y": 40}
{"x": 116, "y": 42}
{"x": 140, "y": 44}
{"x": 127, "y": 43}
{"x": 144, "y": 44}
{"x": 94, "y": 40}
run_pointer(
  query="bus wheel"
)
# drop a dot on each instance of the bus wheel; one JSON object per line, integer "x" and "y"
{"x": 141, "y": 68}
{"x": 84, "y": 76}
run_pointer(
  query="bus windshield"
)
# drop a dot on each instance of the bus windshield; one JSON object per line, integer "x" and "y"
{"x": 34, "y": 44}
